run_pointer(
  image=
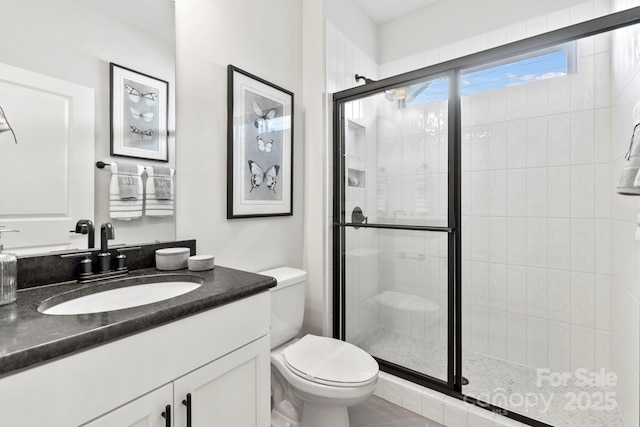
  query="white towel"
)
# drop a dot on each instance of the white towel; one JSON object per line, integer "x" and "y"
{"x": 422, "y": 190}
{"x": 422, "y": 196}
{"x": 629, "y": 181}
{"x": 125, "y": 209}
{"x": 381, "y": 192}
{"x": 163, "y": 182}
{"x": 153, "y": 205}
{"x": 127, "y": 181}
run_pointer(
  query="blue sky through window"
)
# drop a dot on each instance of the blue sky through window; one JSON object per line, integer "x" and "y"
{"x": 543, "y": 66}
{"x": 527, "y": 70}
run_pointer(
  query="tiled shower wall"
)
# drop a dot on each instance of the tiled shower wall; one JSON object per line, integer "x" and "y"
{"x": 412, "y": 182}
{"x": 536, "y": 218}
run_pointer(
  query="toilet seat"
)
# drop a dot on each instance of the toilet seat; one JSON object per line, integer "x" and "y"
{"x": 330, "y": 361}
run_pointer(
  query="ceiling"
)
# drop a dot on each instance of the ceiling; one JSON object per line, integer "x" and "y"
{"x": 382, "y": 11}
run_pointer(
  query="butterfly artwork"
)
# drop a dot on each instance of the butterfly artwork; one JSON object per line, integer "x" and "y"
{"x": 264, "y": 146}
{"x": 262, "y": 115}
{"x": 135, "y": 95}
{"x": 147, "y": 117}
{"x": 146, "y": 134}
{"x": 258, "y": 177}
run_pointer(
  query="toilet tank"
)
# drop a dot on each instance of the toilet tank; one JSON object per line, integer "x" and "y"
{"x": 287, "y": 303}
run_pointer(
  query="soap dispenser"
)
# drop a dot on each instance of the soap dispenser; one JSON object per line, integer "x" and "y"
{"x": 8, "y": 273}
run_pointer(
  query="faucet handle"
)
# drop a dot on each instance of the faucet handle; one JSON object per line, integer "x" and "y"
{"x": 121, "y": 262}
{"x": 85, "y": 266}
{"x": 83, "y": 226}
{"x": 121, "y": 258}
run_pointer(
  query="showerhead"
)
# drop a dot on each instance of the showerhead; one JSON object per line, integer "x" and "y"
{"x": 404, "y": 95}
{"x": 366, "y": 79}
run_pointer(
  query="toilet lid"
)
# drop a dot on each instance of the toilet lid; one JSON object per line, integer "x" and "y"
{"x": 330, "y": 361}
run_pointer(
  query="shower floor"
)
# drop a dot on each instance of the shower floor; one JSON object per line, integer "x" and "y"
{"x": 506, "y": 384}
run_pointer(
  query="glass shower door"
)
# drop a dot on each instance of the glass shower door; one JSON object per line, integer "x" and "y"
{"x": 393, "y": 227}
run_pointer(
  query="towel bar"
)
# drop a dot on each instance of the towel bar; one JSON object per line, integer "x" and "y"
{"x": 100, "y": 165}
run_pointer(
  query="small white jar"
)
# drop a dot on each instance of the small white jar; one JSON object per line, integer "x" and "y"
{"x": 201, "y": 262}
{"x": 172, "y": 258}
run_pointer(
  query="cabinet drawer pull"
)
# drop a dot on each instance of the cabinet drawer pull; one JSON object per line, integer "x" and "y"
{"x": 187, "y": 402}
{"x": 167, "y": 416}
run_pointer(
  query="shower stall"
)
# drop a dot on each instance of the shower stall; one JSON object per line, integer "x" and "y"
{"x": 475, "y": 224}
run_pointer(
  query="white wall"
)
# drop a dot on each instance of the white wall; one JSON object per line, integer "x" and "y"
{"x": 349, "y": 18}
{"x": 445, "y": 21}
{"x": 457, "y": 46}
{"x": 75, "y": 41}
{"x": 316, "y": 196}
{"x": 263, "y": 38}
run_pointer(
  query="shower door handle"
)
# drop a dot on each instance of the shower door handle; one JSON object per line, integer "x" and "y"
{"x": 357, "y": 217}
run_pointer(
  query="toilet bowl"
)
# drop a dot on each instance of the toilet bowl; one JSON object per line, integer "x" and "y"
{"x": 314, "y": 379}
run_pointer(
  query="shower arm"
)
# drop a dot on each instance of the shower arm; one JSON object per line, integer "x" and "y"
{"x": 366, "y": 79}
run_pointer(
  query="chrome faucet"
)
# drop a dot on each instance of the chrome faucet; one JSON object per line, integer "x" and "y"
{"x": 104, "y": 257}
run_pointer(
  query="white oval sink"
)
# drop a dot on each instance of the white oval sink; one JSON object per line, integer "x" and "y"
{"x": 120, "y": 298}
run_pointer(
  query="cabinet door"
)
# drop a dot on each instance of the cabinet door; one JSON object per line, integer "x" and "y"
{"x": 145, "y": 411}
{"x": 231, "y": 391}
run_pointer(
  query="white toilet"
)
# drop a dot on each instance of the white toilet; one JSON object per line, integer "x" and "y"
{"x": 313, "y": 379}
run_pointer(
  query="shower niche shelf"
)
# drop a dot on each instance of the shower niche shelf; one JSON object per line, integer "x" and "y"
{"x": 355, "y": 145}
{"x": 356, "y": 178}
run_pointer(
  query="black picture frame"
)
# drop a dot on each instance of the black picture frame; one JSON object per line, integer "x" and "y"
{"x": 260, "y": 121}
{"x": 139, "y": 114}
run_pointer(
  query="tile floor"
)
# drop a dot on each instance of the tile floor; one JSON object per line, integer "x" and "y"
{"x": 496, "y": 380}
{"x": 376, "y": 412}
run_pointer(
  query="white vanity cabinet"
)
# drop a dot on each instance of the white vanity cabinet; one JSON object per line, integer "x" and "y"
{"x": 220, "y": 357}
{"x": 226, "y": 392}
{"x": 149, "y": 410}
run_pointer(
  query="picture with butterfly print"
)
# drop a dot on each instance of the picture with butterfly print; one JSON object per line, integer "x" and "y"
{"x": 264, "y": 150}
{"x": 260, "y": 147}
{"x": 139, "y": 106}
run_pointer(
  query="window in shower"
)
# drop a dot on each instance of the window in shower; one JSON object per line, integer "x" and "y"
{"x": 531, "y": 67}
{"x": 542, "y": 64}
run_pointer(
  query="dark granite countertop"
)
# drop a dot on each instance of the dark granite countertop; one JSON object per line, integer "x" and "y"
{"x": 28, "y": 337}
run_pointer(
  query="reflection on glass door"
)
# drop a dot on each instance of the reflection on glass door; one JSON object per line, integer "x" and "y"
{"x": 394, "y": 226}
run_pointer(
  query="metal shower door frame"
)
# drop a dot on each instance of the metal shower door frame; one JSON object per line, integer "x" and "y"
{"x": 454, "y": 377}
